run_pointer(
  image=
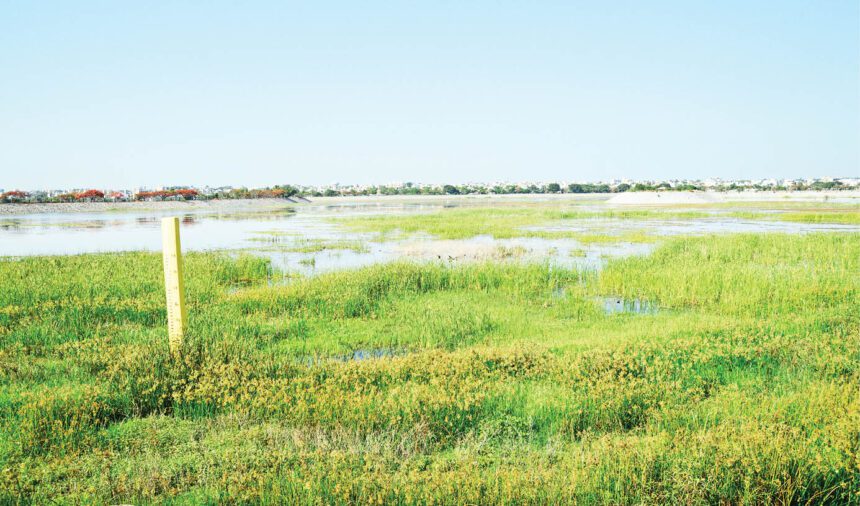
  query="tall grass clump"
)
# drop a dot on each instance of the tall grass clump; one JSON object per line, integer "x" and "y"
{"x": 744, "y": 274}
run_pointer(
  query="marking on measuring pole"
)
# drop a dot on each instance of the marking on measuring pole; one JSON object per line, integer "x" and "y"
{"x": 173, "y": 284}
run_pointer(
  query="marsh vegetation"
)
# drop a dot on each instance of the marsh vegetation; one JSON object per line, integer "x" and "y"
{"x": 426, "y": 383}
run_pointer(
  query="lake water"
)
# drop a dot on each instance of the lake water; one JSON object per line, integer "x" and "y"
{"x": 263, "y": 230}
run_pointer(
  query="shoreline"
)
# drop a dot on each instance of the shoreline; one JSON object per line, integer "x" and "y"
{"x": 109, "y": 207}
{"x": 626, "y": 198}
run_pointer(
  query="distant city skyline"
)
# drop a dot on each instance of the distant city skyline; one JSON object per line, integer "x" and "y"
{"x": 125, "y": 95}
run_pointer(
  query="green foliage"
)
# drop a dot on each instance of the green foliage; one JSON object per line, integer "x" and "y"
{"x": 424, "y": 383}
{"x": 589, "y": 188}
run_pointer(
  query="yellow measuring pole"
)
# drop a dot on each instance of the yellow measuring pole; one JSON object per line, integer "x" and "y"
{"x": 173, "y": 283}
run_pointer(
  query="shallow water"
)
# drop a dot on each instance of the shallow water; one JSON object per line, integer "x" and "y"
{"x": 353, "y": 356}
{"x": 618, "y": 305}
{"x": 696, "y": 226}
{"x": 274, "y": 231}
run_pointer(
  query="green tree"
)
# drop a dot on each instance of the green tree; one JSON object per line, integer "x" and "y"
{"x": 289, "y": 190}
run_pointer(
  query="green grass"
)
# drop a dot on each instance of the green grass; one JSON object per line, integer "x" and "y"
{"x": 502, "y": 223}
{"x": 496, "y": 382}
{"x": 526, "y": 221}
{"x": 457, "y": 223}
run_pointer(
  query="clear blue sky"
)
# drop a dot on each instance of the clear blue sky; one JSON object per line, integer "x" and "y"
{"x": 254, "y": 93}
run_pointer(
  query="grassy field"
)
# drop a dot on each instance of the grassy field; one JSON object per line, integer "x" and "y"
{"x": 429, "y": 383}
{"x": 521, "y": 220}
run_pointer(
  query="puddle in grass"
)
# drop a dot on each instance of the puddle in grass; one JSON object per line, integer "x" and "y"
{"x": 618, "y": 305}
{"x": 371, "y": 353}
{"x": 354, "y": 356}
{"x": 615, "y": 305}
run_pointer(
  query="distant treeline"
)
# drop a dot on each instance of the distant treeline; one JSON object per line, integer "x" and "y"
{"x": 16, "y": 196}
{"x": 273, "y": 192}
{"x": 409, "y": 189}
{"x": 287, "y": 191}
